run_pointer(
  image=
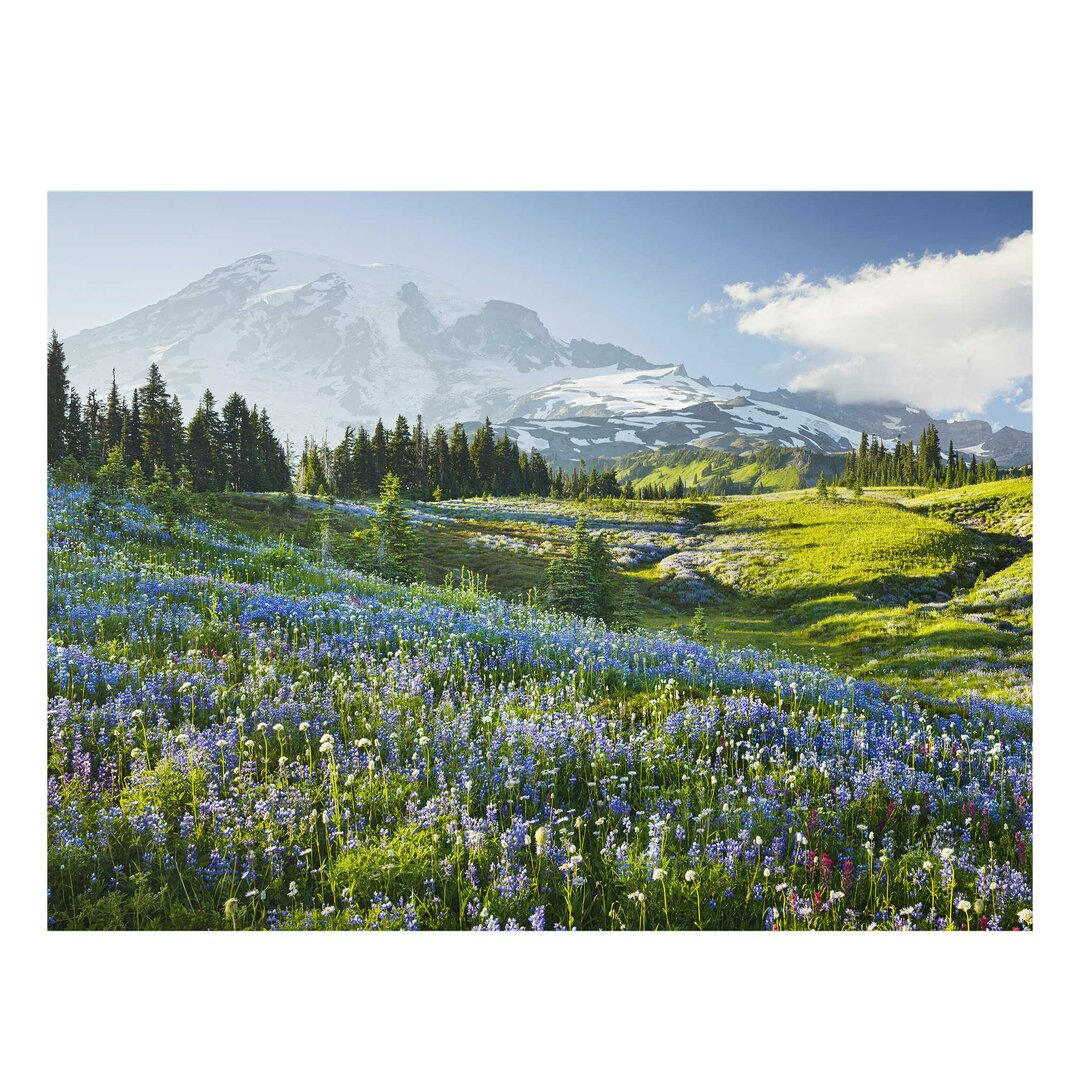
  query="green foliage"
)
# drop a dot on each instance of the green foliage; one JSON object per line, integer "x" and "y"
{"x": 1002, "y": 507}
{"x": 586, "y": 582}
{"x": 680, "y": 471}
{"x": 394, "y": 550}
{"x": 237, "y": 449}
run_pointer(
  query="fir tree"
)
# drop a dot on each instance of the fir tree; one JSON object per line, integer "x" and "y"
{"x": 395, "y": 550}
{"x": 115, "y": 410}
{"x": 76, "y": 442}
{"x": 570, "y": 583}
{"x": 399, "y": 452}
{"x": 156, "y": 421}
{"x": 482, "y": 454}
{"x": 57, "y": 408}
{"x": 204, "y": 447}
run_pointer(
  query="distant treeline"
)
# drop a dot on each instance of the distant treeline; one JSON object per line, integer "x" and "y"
{"x": 428, "y": 465}
{"x": 442, "y": 465}
{"x": 874, "y": 465}
{"x": 234, "y": 450}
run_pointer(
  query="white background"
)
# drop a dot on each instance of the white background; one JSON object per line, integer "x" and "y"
{"x": 344, "y": 96}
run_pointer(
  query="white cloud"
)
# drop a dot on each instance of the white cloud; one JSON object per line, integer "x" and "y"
{"x": 945, "y": 332}
{"x": 743, "y": 293}
{"x": 1024, "y": 406}
{"x": 709, "y": 310}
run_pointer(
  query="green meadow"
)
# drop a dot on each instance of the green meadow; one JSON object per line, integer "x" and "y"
{"x": 926, "y": 590}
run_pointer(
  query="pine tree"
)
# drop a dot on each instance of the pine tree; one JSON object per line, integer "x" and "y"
{"x": 379, "y": 452}
{"x": 131, "y": 435}
{"x": 342, "y": 462}
{"x": 236, "y": 438}
{"x": 418, "y": 481}
{"x": 627, "y": 612}
{"x": 399, "y": 452}
{"x": 586, "y": 583}
{"x": 76, "y": 442}
{"x": 570, "y": 584}
{"x": 57, "y": 409}
{"x": 439, "y": 475}
{"x": 482, "y": 454}
{"x": 204, "y": 447}
{"x": 822, "y": 487}
{"x": 93, "y": 423}
{"x": 115, "y": 411}
{"x": 156, "y": 420}
{"x": 395, "y": 551}
{"x": 364, "y": 478}
{"x": 174, "y": 436}
{"x": 461, "y": 467}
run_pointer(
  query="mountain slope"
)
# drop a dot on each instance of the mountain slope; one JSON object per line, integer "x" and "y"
{"x": 321, "y": 344}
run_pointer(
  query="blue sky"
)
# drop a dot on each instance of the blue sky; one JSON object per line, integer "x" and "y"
{"x": 631, "y": 268}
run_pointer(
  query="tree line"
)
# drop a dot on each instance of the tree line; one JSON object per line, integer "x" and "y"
{"x": 874, "y": 465}
{"x": 231, "y": 450}
{"x": 436, "y": 464}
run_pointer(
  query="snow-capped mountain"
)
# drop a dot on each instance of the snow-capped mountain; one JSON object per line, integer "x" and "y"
{"x": 321, "y": 344}
{"x": 611, "y": 414}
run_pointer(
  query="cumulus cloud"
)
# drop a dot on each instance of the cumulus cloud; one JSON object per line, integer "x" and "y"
{"x": 945, "y": 332}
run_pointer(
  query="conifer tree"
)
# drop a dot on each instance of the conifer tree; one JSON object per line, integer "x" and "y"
{"x": 204, "y": 447}
{"x": 94, "y": 425}
{"x": 482, "y": 454}
{"x": 439, "y": 461}
{"x": 570, "y": 584}
{"x": 76, "y": 442}
{"x": 399, "y": 451}
{"x": 131, "y": 436}
{"x": 461, "y": 467}
{"x": 364, "y": 478}
{"x": 156, "y": 419}
{"x": 57, "y": 408}
{"x": 379, "y": 451}
{"x": 115, "y": 409}
{"x": 395, "y": 551}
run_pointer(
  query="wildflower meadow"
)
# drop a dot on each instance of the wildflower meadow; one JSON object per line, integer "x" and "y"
{"x": 244, "y": 736}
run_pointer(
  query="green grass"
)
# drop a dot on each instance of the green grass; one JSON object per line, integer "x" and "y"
{"x": 866, "y": 586}
{"x": 1003, "y": 507}
{"x": 881, "y": 586}
{"x": 772, "y": 469}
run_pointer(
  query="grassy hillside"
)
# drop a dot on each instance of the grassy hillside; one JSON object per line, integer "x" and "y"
{"x": 871, "y": 586}
{"x": 242, "y": 735}
{"x": 1003, "y": 508}
{"x": 763, "y": 469}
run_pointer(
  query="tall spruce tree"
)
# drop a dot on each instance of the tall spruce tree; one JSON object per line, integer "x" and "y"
{"x": 115, "y": 410}
{"x": 482, "y": 454}
{"x": 57, "y": 407}
{"x": 156, "y": 421}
